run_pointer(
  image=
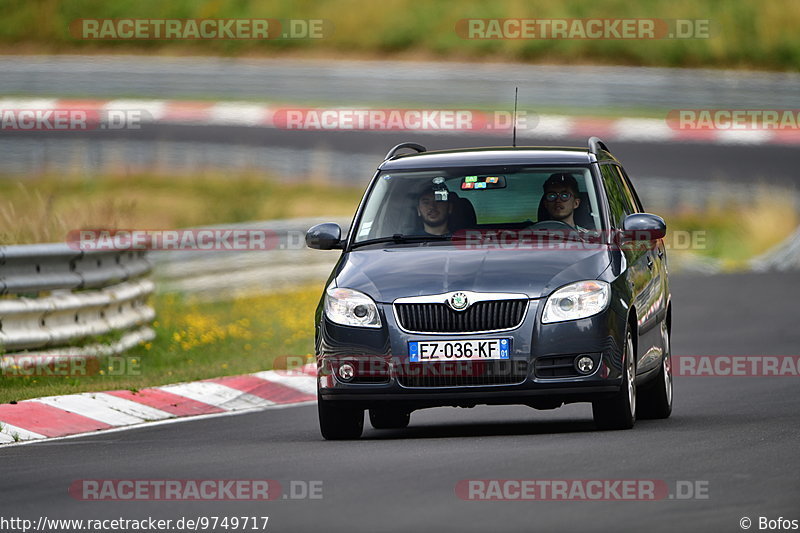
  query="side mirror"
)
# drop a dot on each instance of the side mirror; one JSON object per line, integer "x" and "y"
{"x": 643, "y": 227}
{"x": 326, "y": 236}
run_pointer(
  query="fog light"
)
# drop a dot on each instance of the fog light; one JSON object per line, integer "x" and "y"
{"x": 584, "y": 364}
{"x": 346, "y": 371}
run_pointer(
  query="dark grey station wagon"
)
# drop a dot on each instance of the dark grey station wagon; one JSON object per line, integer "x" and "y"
{"x": 505, "y": 275}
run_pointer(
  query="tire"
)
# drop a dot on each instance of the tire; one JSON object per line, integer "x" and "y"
{"x": 389, "y": 418}
{"x": 338, "y": 420}
{"x": 655, "y": 401}
{"x": 619, "y": 412}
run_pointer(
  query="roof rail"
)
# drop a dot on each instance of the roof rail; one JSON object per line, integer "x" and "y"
{"x": 414, "y": 146}
{"x": 596, "y": 144}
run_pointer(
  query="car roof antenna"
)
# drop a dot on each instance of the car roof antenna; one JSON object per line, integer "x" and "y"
{"x": 514, "y": 125}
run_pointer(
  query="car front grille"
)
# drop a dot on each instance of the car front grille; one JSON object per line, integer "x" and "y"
{"x": 462, "y": 373}
{"x": 480, "y": 316}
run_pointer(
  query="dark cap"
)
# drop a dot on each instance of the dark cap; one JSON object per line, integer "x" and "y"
{"x": 562, "y": 178}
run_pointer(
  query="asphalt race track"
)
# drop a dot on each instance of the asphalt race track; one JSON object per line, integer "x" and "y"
{"x": 736, "y": 436}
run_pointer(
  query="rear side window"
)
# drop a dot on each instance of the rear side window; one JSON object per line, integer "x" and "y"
{"x": 619, "y": 201}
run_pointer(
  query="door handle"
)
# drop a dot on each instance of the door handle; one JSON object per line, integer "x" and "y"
{"x": 660, "y": 253}
{"x": 649, "y": 262}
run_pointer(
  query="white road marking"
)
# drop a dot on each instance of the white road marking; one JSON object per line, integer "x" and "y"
{"x": 217, "y": 395}
{"x": 261, "y": 115}
{"x": 236, "y": 113}
{"x": 105, "y": 408}
{"x": 294, "y": 379}
{"x": 8, "y": 432}
{"x": 643, "y": 129}
{"x": 547, "y": 126}
{"x": 153, "y": 108}
{"x": 164, "y": 422}
{"x": 744, "y": 136}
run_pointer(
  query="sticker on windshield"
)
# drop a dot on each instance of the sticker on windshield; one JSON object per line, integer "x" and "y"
{"x": 483, "y": 182}
{"x": 365, "y": 229}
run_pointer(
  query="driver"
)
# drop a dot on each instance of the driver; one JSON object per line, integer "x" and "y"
{"x": 433, "y": 213}
{"x": 561, "y": 198}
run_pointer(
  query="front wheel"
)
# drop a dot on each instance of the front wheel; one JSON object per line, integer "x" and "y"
{"x": 338, "y": 420}
{"x": 655, "y": 401}
{"x": 619, "y": 412}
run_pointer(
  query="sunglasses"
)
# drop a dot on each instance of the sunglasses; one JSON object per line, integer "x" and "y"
{"x": 553, "y": 196}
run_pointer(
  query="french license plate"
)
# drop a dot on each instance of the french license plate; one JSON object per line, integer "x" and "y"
{"x": 459, "y": 350}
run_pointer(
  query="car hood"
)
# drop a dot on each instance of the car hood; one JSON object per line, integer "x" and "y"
{"x": 386, "y": 274}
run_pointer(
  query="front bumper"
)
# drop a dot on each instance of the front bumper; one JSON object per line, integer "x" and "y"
{"x": 380, "y": 357}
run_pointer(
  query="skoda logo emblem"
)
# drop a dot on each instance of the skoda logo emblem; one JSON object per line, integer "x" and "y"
{"x": 458, "y": 301}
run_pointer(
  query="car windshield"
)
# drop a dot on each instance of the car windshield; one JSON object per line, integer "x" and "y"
{"x": 412, "y": 205}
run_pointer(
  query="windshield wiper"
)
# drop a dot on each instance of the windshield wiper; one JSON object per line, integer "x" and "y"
{"x": 399, "y": 238}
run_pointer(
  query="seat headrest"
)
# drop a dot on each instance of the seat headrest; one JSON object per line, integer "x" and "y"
{"x": 463, "y": 215}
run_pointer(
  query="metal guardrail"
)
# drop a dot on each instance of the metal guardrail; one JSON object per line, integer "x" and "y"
{"x": 783, "y": 257}
{"x": 54, "y": 296}
{"x": 221, "y": 275}
{"x": 31, "y": 268}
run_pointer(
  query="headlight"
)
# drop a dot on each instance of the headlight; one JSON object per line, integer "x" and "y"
{"x": 351, "y": 308}
{"x": 577, "y": 300}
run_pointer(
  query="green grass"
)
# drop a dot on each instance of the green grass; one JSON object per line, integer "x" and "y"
{"x": 45, "y": 209}
{"x": 735, "y": 233}
{"x": 746, "y": 34}
{"x": 195, "y": 340}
